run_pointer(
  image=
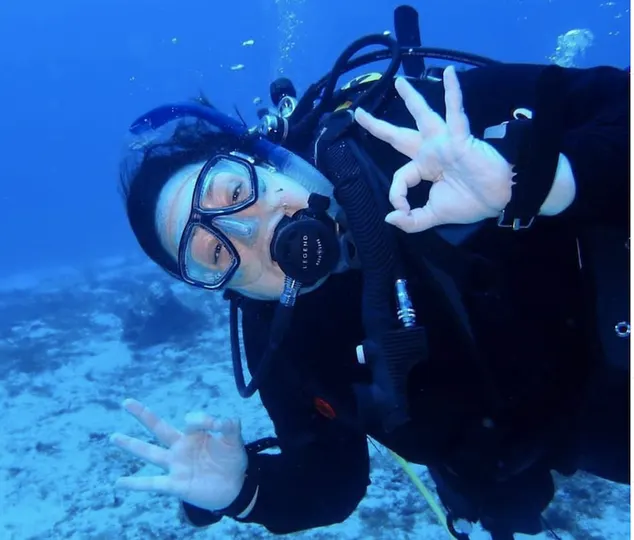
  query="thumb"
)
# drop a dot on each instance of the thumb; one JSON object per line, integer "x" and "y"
{"x": 417, "y": 220}
{"x": 200, "y": 421}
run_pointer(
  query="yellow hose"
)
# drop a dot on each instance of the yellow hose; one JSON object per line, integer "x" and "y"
{"x": 423, "y": 491}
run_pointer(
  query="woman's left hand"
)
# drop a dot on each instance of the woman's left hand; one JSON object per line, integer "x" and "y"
{"x": 471, "y": 180}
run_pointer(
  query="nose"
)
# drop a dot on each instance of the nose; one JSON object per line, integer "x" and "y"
{"x": 242, "y": 229}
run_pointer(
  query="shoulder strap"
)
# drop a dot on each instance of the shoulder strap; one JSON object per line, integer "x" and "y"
{"x": 391, "y": 351}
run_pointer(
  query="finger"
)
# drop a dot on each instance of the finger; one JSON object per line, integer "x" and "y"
{"x": 404, "y": 178}
{"x": 427, "y": 120}
{"x": 404, "y": 140}
{"x": 163, "y": 432}
{"x": 419, "y": 219}
{"x": 457, "y": 121}
{"x": 200, "y": 421}
{"x": 156, "y": 484}
{"x": 148, "y": 452}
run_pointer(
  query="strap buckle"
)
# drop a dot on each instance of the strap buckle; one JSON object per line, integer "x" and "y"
{"x": 514, "y": 223}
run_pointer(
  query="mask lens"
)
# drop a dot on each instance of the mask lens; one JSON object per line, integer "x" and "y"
{"x": 207, "y": 257}
{"x": 226, "y": 185}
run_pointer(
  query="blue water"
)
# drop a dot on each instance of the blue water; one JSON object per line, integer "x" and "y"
{"x": 75, "y": 73}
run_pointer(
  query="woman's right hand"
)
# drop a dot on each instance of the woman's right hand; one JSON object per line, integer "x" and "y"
{"x": 205, "y": 464}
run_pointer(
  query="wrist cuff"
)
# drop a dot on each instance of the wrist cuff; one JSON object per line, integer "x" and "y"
{"x": 199, "y": 517}
{"x": 532, "y": 146}
{"x": 247, "y": 493}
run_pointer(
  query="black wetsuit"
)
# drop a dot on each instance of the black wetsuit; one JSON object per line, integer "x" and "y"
{"x": 537, "y": 346}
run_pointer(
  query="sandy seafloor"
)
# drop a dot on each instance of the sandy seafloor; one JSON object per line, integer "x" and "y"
{"x": 73, "y": 345}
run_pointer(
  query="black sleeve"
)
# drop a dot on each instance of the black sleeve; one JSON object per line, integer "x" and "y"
{"x": 593, "y": 111}
{"x": 322, "y": 470}
{"x": 595, "y": 120}
{"x": 597, "y": 143}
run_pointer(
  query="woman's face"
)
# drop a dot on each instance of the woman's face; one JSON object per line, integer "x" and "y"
{"x": 250, "y": 230}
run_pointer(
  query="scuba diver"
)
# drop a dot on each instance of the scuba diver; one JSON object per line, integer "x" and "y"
{"x": 437, "y": 260}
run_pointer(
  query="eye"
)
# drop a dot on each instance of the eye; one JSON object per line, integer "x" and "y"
{"x": 236, "y": 194}
{"x": 216, "y": 254}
